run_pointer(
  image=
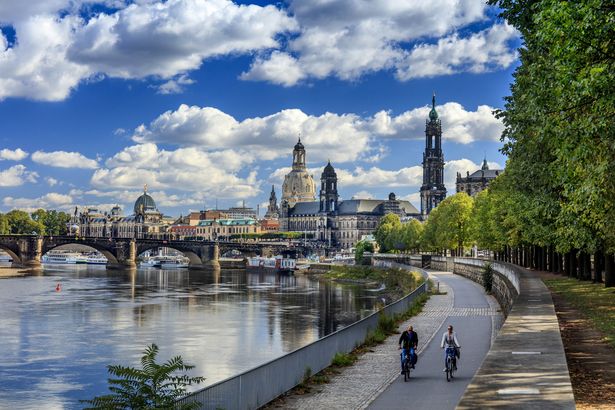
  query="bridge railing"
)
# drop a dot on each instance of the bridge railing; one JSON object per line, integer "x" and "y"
{"x": 258, "y": 386}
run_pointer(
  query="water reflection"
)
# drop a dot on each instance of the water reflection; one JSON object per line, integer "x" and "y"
{"x": 56, "y": 344}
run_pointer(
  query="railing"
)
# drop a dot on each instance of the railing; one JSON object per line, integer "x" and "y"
{"x": 258, "y": 386}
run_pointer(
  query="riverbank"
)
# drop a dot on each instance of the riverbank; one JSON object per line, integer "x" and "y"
{"x": 586, "y": 315}
{"x": 390, "y": 284}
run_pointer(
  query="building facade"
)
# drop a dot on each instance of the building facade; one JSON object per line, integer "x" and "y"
{"x": 340, "y": 223}
{"x": 433, "y": 190}
{"x": 225, "y": 229}
{"x": 477, "y": 181}
{"x": 145, "y": 222}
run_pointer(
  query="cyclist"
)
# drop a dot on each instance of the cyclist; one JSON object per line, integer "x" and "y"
{"x": 449, "y": 339}
{"x": 408, "y": 339}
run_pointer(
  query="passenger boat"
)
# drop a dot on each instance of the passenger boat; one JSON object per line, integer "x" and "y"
{"x": 5, "y": 259}
{"x": 165, "y": 262}
{"x": 277, "y": 264}
{"x": 62, "y": 258}
{"x": 96, "y": 258}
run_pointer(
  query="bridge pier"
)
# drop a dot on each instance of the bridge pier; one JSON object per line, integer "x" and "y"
{"x": 31, "y": 250}
{"x": 210, "y": 256}
{"x": 126, "y": 255}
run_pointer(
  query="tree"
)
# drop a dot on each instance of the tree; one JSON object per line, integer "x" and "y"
{"x": 360, "y": 249}
{"x": 20, "y": 223}
{"x": 153, "y": 387}
{"x": 387, "y": 225}
{"x": 55, "y": 222}
{"x": 4, "y": 225}
{"x": 412, "y": 234}
{"x": 454, "y": 222}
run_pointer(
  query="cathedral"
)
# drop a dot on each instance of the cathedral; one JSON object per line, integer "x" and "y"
{"x": 339, "y": 223}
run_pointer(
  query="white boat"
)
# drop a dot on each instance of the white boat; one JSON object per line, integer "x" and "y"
{"x": 277, "y": 264}
{"x": 5, "y": 259}
{"x": 96, "y": 259}
{"x": 61, "y": 258}
{"x": 165, "y": 262}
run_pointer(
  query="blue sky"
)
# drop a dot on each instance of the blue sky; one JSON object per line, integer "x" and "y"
{"x": 203, "y": 99}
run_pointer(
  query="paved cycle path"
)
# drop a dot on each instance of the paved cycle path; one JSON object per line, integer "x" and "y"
{"x": 472, "y": 316}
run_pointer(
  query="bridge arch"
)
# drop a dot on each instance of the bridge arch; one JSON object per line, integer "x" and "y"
{"x": 193, "y": 257}
{"x": 13, "y": 253}
{"x": 107, "y": 253}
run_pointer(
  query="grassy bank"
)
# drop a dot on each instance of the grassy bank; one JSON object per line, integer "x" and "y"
{"x": 392, "y": 278}
{"x": 593, "y": 300}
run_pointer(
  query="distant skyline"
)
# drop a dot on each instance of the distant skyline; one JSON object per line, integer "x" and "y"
{"x": 203, "y": 100}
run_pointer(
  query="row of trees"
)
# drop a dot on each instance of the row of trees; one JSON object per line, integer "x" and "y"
{"x": 40, "y": 222}
{"x": 554, "y": 207}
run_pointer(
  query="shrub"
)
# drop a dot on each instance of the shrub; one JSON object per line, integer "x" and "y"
{"x": 343, "y": 359}
{"x": 488, "y": 277}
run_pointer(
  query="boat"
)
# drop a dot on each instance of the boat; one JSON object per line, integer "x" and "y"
{"x": 165, "y": 262}
{"x": 5, "y": 259}
{"x": 276, "y": 264}
{"x": 61, "y": 258}
{"x": 96, "y": 258}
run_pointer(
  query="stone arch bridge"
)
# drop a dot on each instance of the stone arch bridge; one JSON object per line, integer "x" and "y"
{"x": 122, "y": 252}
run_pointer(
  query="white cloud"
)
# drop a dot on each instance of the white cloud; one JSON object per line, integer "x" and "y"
{"x": 175, "y": 85}
{"x": 51, "y": 181}
{"x": 458, "y": 124}
{"x": 13, "y": 155}
{"x": 184, "y": 169}
{"x": 376, "y": 177}
{"x": 56, "y": 48}
{"x": 340, "y": 137}
{"x": 349, "y": 38}
{"x": 487, "y": 50}
{"x": 51, "y": 200}
{"x": 362, "y": 195}
{"x": 16, "y": 175}
{"x": 63, "y": 159}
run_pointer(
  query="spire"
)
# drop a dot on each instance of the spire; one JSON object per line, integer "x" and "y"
{"x": 485, "y": 165}
{"x": 145, "y": 188}
{"x": 433, "y": 115}
{"x": 272, "y": 189}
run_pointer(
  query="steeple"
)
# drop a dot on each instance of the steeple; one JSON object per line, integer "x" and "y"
{"x": 328, "y": 189}
{"x": 299, "y": 156}
{"x": 485, "y": 166}
{"x": 433, "y": 190}
{"x": 273, "y": 212}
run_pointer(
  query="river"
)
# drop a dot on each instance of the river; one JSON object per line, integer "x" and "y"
{"x": 55, "y": 345}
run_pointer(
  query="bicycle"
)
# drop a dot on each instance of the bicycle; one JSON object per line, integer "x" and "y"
{"x": 407, "y": 362}
{"x": 451, "y": 363}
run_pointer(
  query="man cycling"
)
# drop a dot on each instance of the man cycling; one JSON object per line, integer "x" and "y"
{"x": 408, "y": 339}
{"x": 449, "y": 340}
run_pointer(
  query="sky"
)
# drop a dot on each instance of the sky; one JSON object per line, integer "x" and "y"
{"x": 203, "y": 100}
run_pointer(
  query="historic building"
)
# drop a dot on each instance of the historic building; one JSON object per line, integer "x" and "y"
{"x": 146, "y": 221}
{"x": 298, "y": 184}
{"x": 273, "y": 211}
{"x": 475, "y": 182}
{"x": 225, "y": 229}
{"x": 433, "y": 190}
{"x": 339, "y": 223}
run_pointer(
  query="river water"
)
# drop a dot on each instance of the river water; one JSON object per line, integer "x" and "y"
{"x": 55, "y": 345}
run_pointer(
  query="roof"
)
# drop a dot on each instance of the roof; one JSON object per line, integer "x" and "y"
{"x": 145, "y": 201}
{"x": 305, "y": 208}
{"x": 480, "y": 174}
{"x": 351, "y": 207}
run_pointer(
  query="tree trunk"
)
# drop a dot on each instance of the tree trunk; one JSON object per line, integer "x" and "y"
{"x": 567, "y": 269}
{"x": 598, "y": 265}
{"x": 588, "y": 266}
{"x": 609, "y": 274}
{"x": 573, "y": 263}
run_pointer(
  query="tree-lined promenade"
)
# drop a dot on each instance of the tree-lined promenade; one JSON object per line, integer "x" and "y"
{"x": 554, "y": 206}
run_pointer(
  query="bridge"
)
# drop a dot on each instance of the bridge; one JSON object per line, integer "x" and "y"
{"x": 27, "y": 250}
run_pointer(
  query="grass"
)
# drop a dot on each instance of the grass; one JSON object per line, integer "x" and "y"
{"x": 593, "y": 300}
{"x": 343, "y": 359}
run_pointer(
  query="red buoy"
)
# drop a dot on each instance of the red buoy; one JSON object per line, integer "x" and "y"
{"x": 58, "y": 287}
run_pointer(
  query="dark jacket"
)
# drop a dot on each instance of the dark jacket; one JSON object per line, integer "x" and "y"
{"x": 408, "y": 339}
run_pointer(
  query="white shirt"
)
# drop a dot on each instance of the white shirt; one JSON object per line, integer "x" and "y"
{"x": 449, "y": 341}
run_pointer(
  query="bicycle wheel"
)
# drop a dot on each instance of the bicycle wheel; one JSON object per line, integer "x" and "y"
{"x": 406, "y": 371}
{"x": 449, "y": 369}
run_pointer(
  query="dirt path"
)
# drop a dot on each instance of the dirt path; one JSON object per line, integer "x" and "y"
{"x": 590, "y": 359}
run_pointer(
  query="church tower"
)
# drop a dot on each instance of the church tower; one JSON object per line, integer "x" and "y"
{"x": 433, "y": 190}
{"x": 328, "y": 189}
{"x": 298, "y": 184}
{"x": 273, "y": 212}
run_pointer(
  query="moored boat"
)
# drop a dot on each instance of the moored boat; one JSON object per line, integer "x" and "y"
{"x": 276, "y": 264}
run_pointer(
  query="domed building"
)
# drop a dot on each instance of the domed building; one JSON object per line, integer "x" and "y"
{"x": 298, "y": 184}
{"x": 146, "y": 222}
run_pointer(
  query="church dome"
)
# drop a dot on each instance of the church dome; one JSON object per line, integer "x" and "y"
{"x": 144, "y": 203}
{"x": 299, "y": 146}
